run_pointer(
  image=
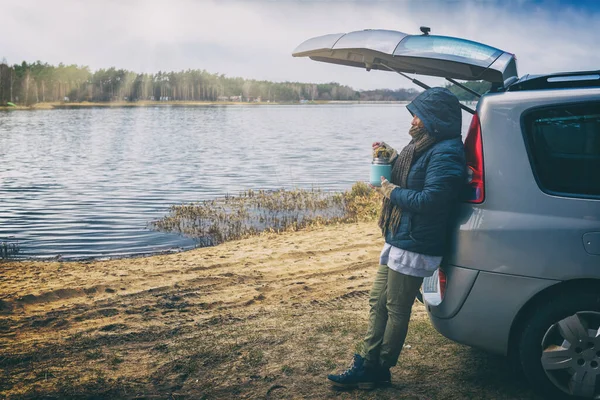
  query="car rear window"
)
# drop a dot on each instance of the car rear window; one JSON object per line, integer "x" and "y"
{"x": 412, "y": 45}
{"x": 564, "y": 145}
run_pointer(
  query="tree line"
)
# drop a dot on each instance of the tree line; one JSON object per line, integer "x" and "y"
{"x": 30, "y": 83}
{"x": 389, "y": 95}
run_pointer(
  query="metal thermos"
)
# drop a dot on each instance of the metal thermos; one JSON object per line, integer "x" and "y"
{"x": 380, "y": 167}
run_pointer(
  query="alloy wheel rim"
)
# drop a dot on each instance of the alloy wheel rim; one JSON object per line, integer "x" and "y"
{"x": 571, "y": 354}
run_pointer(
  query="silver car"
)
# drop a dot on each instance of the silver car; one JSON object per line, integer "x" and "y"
{"x": 522, "y": 277}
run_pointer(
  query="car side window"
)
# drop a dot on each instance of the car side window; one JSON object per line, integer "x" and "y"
{"x": 564, "y": 147}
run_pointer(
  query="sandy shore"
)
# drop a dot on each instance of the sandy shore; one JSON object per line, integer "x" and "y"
{"x": 264, "y": 317}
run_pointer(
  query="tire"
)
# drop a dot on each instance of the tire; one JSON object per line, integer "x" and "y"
{"x": 559, "y": 348}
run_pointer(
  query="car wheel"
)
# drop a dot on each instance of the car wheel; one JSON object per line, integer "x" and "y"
{"x": 559, "y": 349}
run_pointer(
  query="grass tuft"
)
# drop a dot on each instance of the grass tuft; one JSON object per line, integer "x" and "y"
{"x": 115, "y": 359}
{"x": 254, "y": 358}
{"x": 93, "y": 354}
{"x": 9, "y": 250}
{"x": 287, "y": 370}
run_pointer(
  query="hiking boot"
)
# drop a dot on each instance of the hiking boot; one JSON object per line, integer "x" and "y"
{"x": 383, "y": 375}
{"x": 359, "y": 376}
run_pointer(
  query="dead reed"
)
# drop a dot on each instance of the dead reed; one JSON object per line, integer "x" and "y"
{"x": 254, "y": 211}
{"x": 9, "y": 250}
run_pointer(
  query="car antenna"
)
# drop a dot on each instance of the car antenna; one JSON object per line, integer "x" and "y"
{"x": 425, "y": 30}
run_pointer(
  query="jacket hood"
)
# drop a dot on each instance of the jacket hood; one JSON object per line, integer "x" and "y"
{"x": 440, "y": 112}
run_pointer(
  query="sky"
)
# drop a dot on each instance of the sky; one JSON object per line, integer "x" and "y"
{"x": 254, "y": 39}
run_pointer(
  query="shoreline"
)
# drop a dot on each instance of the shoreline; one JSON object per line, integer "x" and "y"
{"x": 69, "y": 260}
{"x": 125, "y": 104}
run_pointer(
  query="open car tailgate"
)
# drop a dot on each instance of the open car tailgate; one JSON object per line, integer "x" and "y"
{"x": 442, "y": 56}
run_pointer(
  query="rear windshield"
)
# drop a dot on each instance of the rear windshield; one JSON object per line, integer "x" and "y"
{"x": 564, "y": 145}
{"x": 441, "y": 45}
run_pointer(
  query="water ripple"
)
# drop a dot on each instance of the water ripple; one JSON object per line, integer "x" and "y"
{"x": 86, "y": 183}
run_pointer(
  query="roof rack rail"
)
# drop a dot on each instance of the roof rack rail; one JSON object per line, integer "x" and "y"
{"x": 561, "y": 80}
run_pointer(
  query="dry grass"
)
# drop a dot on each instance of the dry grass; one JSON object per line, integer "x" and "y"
{"x": 264, "y": 317}
{"x": 9, "y": 249}
{"x": 213, "y": 222}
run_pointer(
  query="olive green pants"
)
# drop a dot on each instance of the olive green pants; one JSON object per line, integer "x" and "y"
{"x": 391, "y": 300}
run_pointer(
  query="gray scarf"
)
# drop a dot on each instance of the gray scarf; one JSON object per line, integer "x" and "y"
{"x": 389, "y": 219}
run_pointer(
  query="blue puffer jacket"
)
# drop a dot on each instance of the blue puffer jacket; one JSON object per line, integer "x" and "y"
{"x": 435, "y": 178}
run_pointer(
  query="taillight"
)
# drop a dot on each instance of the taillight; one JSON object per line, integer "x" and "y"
{"x": 442, "y": 282}
{"x": 474, "y": 156}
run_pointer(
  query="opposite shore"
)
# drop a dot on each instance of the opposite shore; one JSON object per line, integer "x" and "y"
{"x": 123, "y": 104}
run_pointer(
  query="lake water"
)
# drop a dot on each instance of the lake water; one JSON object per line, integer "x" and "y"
{"x": 86, "y": 182}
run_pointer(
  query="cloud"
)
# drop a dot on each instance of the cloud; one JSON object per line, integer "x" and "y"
{"x": 254, "y": 39}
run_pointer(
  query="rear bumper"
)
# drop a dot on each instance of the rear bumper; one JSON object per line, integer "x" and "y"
{"x": 485, "y": 317}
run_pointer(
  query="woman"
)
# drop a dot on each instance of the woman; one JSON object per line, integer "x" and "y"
{"x": 427, "y": 176}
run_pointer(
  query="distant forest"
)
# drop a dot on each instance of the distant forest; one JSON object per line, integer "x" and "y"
{"x": 31, "y": 83}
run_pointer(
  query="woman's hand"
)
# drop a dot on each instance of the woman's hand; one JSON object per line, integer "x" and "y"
{"x": 391, "y": 150}
{"x": 386, "y": 187}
